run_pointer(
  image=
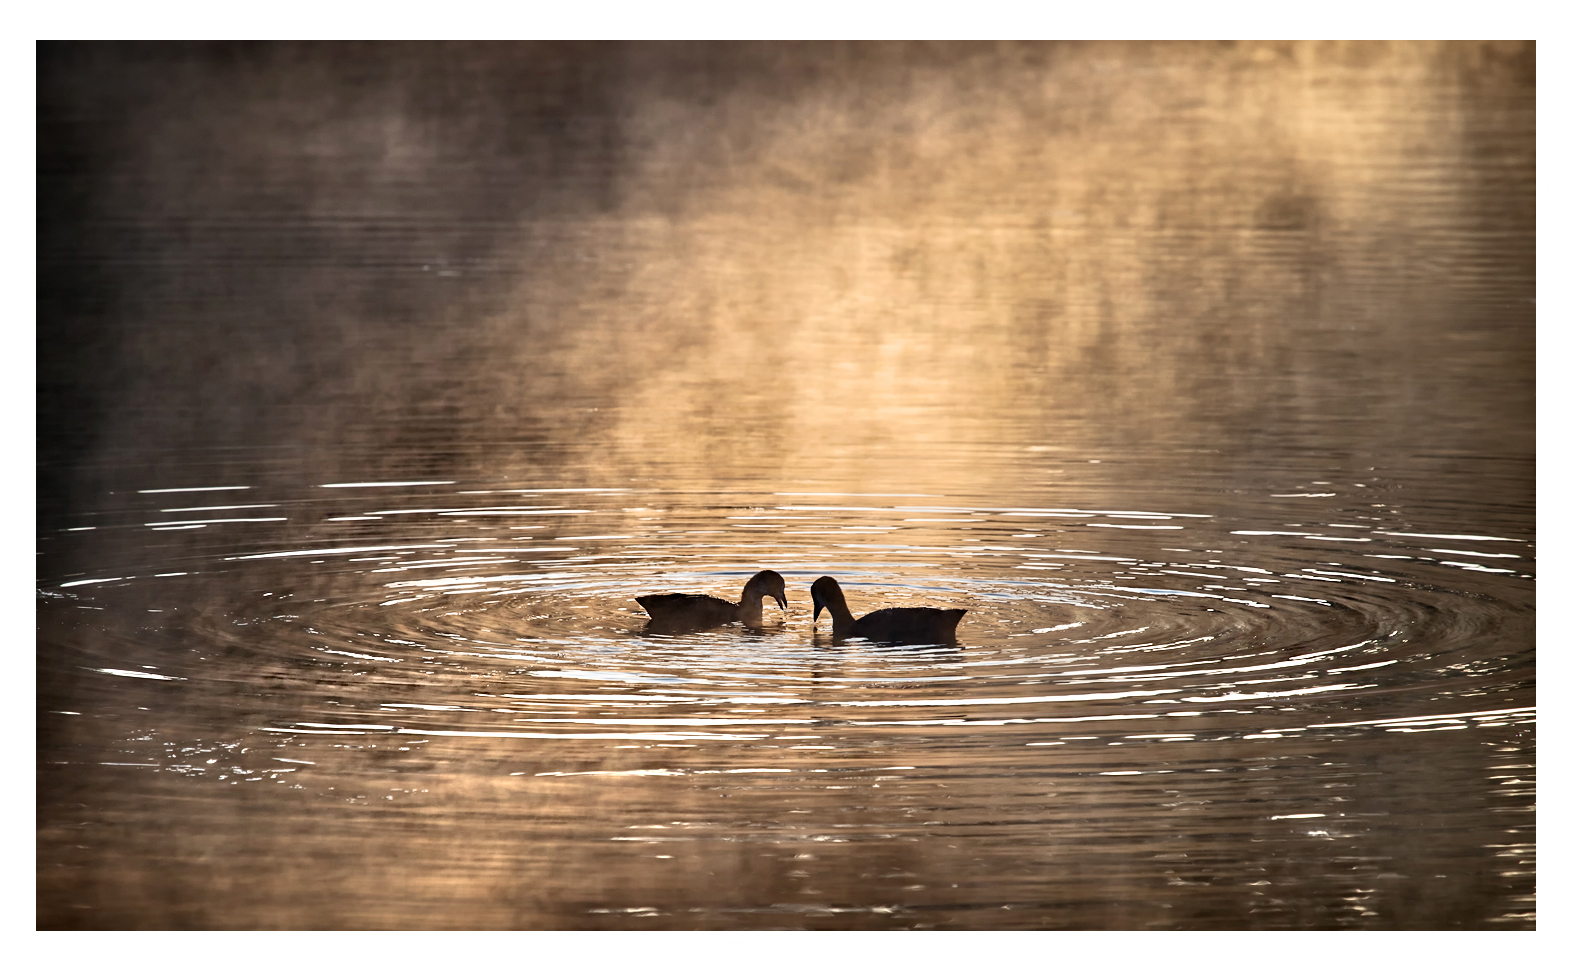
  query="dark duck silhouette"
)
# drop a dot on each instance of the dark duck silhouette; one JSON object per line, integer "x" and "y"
{"x": 689, "y": 612}
{"x": 902, "y": 624}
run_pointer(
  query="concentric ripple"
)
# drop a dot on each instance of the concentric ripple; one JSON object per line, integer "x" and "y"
{"x": 447, "y": 633}
{"x": 1168, "y": 619}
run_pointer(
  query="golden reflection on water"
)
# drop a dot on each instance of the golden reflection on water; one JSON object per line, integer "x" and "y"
{"x": 1267, "y": 301}
{"x": 756, "y": 257}
{"x": 1075, "y": 247}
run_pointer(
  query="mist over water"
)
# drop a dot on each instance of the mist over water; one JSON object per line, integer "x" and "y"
{"x": 375, "y": 381}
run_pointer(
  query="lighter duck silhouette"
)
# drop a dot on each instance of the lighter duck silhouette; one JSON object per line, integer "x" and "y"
{"x": 690, "y": 612}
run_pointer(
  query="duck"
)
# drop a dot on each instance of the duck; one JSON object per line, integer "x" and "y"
{"x": 903, "y": 624}
{"x": 689, "y": 612}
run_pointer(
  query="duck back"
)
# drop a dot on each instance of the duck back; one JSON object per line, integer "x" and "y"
{"x": 678, "y": 612}
{"x": 909, "y": 624}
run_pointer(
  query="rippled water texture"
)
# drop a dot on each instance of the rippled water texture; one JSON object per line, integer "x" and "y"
{"x": 375, "y": 382}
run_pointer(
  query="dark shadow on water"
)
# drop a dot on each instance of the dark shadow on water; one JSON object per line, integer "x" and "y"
{"x": 687, "y": 627}
{"x": 945, "y": 652}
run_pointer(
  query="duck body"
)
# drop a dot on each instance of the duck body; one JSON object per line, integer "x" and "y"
{"x": 902, "y": 624}
{"x": 690, "y": 612}
{"x": 688, "y": 609}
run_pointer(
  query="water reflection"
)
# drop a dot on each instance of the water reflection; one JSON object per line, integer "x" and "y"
{"x": 1196, "y": 374}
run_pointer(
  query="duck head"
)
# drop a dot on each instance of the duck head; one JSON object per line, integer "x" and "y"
{"x": 769, "y": 583}
{"x": 825, "y": 591}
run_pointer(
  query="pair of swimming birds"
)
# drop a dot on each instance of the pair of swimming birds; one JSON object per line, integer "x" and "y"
{"x": 683, "y": 612}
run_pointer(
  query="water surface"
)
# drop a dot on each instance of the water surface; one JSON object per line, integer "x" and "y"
{"x": 376, "y": 381}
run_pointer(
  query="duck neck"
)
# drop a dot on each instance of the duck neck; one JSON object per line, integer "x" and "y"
{"x": 840, "y": 614}
{"x": 751, "y": 610}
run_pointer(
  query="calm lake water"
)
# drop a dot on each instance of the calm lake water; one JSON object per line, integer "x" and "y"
{"x": 375, "y": 382}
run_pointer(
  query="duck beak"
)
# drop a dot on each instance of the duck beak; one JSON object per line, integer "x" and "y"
{"x": 818, "y": 605}
{"x": 781, "y": 599}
